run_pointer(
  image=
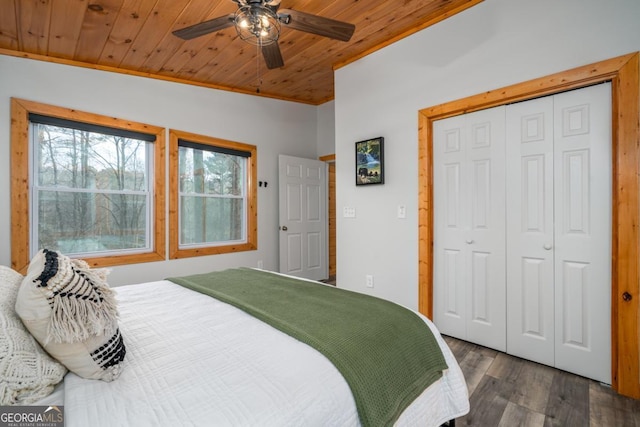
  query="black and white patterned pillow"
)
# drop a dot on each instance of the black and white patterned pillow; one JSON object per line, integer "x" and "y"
{"x": 71, "y": 310}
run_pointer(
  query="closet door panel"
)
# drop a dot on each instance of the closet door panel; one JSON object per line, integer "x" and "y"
{"x": 485, "y": 239}
{"x": 583, "y": 231}
{"x": 469, "y": 253}
{"x": 530, "y": 290}
{"x": 450, "y": 218}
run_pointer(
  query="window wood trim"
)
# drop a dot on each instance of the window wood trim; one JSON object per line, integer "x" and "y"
{"x": 623, "y": 73}
{"x": 174, "y": 218}
{"x": 20, "y": 220}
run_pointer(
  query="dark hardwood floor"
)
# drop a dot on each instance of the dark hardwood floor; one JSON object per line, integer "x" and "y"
{"x": 509, "y": 391}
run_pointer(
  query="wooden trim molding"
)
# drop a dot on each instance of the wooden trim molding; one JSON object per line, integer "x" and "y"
{"x": 92, "y": 66}
{"x": 623, "y": 72}
{"x": 328, "y": 158}
{"x": 252, "y": 197}
{"x": 20, "y": 220}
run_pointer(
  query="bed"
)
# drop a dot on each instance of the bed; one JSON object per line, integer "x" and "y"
{"x": 194, "y": 360}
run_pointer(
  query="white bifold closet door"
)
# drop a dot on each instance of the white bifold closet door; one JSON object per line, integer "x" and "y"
{"x": 559, "y": 231}
{"x": 469, "y": 264}
{"x": 530, "y": 230}
{"x": 522, "y": 229}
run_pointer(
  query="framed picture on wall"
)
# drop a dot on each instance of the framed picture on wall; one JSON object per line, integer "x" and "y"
{"x": 370, "y": 161}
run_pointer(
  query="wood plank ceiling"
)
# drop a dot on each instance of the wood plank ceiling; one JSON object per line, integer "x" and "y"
{"x": 134, "y": 37}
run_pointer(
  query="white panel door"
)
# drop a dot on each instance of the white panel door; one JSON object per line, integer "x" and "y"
{"x": 450, "y": 273}
{"x": 530, "y": 260}
{"x": 469, "y": 267}
{"x": 303, "y": 217}
{"x": 556, "y": 252}
{"x": 582, "y": 152}
{"x": 485, "y": 207}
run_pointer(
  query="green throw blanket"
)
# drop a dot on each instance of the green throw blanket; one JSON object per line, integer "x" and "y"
{"x": 386, "y": 353}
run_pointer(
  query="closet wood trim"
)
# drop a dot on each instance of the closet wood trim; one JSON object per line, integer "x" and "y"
{"x": 623, "y": 73}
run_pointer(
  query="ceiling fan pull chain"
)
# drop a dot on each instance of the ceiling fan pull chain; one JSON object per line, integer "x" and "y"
{"x": 259, "y": 83}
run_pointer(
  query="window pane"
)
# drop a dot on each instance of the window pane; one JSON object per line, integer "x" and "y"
{"x": 210, "y": 200}
{"x": 84, "y": 222}
{"x": 209, "y": 172}
{"x": 210, "y": 219}
{"x": 88, "y": 160}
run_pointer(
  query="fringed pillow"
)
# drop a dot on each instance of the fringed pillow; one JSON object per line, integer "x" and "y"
{"x": 27, "y": 372}
{"x": 71, "y": 311}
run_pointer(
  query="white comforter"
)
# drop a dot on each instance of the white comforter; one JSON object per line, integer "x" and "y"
{"x": 195, "y": 361}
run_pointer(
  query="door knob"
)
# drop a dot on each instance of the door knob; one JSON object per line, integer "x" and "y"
{"x": 547, "y": 247}
{"x": 469, "y": 241}
{"x": 627, "y": 296}
{"x": 284, "y": 228}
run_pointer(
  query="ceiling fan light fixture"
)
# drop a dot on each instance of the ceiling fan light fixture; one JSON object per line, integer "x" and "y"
{"x": 257, "y": 24}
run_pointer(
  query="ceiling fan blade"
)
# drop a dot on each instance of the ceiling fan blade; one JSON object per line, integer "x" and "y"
{"x": 315, "y": 24}
{"x": 272, "y": 56}
{"x": 206, "y": 27}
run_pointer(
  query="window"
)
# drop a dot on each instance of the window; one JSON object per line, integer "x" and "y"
{"x": 89, "y": 186}
{"x": 213, "y": 196}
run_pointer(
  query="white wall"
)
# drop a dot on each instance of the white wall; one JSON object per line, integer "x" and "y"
{"x": 491, "y": 45}
{"x": 326, "y": 129}
{"x": 275, "y": 127}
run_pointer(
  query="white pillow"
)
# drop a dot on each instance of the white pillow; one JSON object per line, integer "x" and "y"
{"x": 71, "y": 311}
{"x": 27, "y": 372}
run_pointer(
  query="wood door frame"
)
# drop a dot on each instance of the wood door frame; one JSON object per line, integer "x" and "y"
{"x": 623, "y": 73}
{"x": 330, "y": 159}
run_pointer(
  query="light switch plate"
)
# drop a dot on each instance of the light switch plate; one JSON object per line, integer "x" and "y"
{"x": 348, "y": 212}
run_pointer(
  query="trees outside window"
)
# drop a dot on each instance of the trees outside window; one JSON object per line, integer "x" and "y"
{"x": 90, "y": 192}
{"x": 87, "y": 185}
{"x": 213, "y": 196}
{"x": 93, "y": 187}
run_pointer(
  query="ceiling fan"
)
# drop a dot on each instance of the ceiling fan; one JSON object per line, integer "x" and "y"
{"x": 258, "y": 22}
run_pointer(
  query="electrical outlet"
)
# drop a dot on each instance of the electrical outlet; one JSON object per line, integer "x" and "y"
{"x": 369, "y": 280}
{"x": 402, "y": 211}
{"x": 260, "y": 264}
